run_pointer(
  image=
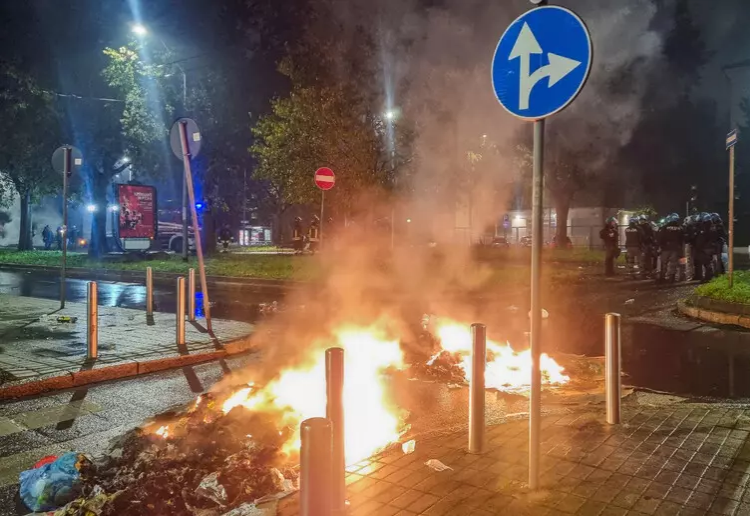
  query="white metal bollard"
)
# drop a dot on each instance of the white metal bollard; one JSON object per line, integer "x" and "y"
{"x": 612, "y": 354}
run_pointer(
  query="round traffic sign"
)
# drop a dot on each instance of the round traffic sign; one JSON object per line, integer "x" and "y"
{"x": 325, "y": 178}
{"x": 58, "y": 159}
{"x": 194, "y": 138}
{"x": 541, "y": 62}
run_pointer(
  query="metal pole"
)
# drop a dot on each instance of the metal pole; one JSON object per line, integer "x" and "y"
{"x": 185, "y": 245}
{"x": 180, "y": 312}
{"x": 66, "y": 171}
{"x": 535, "y": 401}
{"x": 731, "y": 217}
{"x": 191, "y": 295}
{"x": 322, "y": 204}
{"x": 335, "y": 414}
{"x": 612, "y": 353}
{"x": 92, "y": 321}
{"x": 149, "y": 291}
{"x": 476, "y": 389}
{"x": 194, "y": 213}
{"x": 315, "y": 467}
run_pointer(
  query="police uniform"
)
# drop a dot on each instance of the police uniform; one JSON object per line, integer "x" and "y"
{"x": 671, "y": 241}
{"x": 633, "y": 245}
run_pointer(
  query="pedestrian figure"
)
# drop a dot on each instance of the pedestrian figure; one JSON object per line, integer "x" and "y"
{"x": 225, "y": 235}
{"x": 298, "y": 241}
{"x": 611, "y": 245}
{"x": 47, "y": 237}
{"x": 313, "y": 234}
{"x": 633, "y": 245}
{"x": 672, "y": 244}
{"x": 59, "y": 238}
{"x": 705, "y": 247}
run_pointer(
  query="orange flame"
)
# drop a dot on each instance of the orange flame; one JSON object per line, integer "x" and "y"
{"x": 371, "y": 422}
{"x": 163, "y": 431}
{"x": 507, "y": 370}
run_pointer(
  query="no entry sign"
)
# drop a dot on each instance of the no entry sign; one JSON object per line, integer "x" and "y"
{"x": 325, "y": 178}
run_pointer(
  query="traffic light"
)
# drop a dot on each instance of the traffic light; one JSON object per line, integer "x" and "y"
{"x": 693, "y": 193}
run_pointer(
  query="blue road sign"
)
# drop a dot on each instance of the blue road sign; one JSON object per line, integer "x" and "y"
{"x": 542, "y": 62}
{"x": 731, "y": 138}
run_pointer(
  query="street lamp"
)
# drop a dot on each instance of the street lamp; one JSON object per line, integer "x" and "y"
{"x": 91, "y": 208}
{"x": 390, "y": 115}
{"x": 139, "y": 29}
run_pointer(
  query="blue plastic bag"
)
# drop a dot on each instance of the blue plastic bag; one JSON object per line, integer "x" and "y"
{"x": 52, "y": 485}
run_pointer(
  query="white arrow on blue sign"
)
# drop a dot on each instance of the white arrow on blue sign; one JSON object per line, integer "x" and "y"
{"x": 542, "y": 62}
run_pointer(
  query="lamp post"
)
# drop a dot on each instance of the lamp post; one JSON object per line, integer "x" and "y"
{"x": 141, "y": 31}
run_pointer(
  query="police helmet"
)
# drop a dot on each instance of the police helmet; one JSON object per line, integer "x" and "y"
{"x": 715, "y": 218}
{"x": 633, "y": 221}
{"x": 612, "y": 221}
{"x": 643, "y": 218}
{"x": 705, "y": 217}
{"x": 297, "y": 219}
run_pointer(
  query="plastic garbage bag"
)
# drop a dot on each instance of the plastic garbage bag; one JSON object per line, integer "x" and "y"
{"x": 436, "y": 465}
{"x": 52, "y": 485}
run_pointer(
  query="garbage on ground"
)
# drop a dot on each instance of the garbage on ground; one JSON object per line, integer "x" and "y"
{"x": 67, "y": 319}
{"x": 408, "y": 447}
{"x": 53, "y": 484}
{"x": 437, "y": 465}
{"x": 630, "y": 301}
{"x": 211, "y": 489}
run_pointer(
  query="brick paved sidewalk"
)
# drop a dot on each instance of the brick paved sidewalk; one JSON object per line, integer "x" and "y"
{"x": 36, "y": 346}
{"x": 684, "y": 458}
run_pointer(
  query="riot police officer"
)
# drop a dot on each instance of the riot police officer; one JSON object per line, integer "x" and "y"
{"x": 609, "y": 236}
{"x": 692, "y": 230}
{"x": 672, "y": 242}
{"x": 633, "y": 245}
{"x": 720, "y": 237}
{"x": 648, "y": 245}
{"x": 704, "y": 243}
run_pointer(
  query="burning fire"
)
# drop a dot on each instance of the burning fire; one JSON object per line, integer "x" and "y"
{"x": 371, "y": 422}
{"x": 163, "y": 431}
{"x": 507, "y": 370}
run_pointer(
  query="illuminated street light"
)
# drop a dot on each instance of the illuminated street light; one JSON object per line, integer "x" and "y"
{"x": 114, "y": 208}
{"x": 139, "y": 29}
{"x": 390, "y": 115}
{"x": 91, "y": 208}
{"x": 125, "y": 159}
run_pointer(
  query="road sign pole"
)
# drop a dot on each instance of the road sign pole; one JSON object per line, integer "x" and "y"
{"x": 185, "y": 238}
{"x": 191, "y": 195}
{"x": 64, "y": 241}
{"x": 537, "y": 217}
{"x": 322, "y": 205}
{"x": 731, "y": 218}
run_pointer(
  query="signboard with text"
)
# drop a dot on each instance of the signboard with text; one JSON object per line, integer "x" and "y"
{"x": 137, "y": 211}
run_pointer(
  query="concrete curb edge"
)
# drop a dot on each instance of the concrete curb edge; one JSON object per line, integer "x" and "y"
{"x": 120, "y": 370}
{"x": 712, "y": 316}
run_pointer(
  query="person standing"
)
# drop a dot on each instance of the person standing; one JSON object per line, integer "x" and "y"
{"x": 313, "y": 233}
{"x": 47, "y": 237}
{"x": 704, "y": 243}
{"x": 633, "y": 245}
{"x": 672, "y": 243}
{"x": 298, "y": 240}
{"x": 611, "y": 245}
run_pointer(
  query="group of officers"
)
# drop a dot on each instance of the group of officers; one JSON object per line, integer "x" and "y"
{"x": 663, "y": 250}
{"x": 306, "y": 242}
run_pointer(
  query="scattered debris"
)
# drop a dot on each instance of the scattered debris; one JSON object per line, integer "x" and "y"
{"x": 437, "y": 465}
{"x": 67, "y": 319}
{"x": 53, "y": 484}
{"x": 545, "y": 314}
{"x": 408, "y": 447}
{"x": 630, "y": 301}
{"x": 513, "y": 308}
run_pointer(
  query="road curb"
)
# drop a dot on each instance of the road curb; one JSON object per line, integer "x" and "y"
{"x": 104, "y": 373}
{"x": 163, "y": 278}
{"x": 712, "y": 316}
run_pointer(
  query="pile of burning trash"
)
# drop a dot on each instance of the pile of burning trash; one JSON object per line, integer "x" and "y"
{"x": 202, "y": 462}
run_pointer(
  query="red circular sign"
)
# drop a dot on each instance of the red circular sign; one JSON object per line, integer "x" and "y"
{"x": 325, "y": 178}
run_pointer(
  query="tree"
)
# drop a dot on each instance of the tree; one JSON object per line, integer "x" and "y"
{"x": 29, "y": 137}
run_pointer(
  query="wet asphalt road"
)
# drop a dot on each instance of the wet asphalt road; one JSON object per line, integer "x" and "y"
{"x": 225, "y": 305}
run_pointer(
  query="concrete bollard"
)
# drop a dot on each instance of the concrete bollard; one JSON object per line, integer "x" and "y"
{"x": 612, "y": 357}
{"x": 149, "y": 291}
{"x": 92, "y": 321}
{"x": 315, "y": 467}
{"x": 335, "y": 414}
{"x": 476, "y": 388}
{"x": 191, "y": 295}
{"x": 180, "y": 312}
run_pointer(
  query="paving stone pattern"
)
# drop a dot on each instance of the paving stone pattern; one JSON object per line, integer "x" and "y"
{"x": 33, "y": 344}
{"x": 684, "y": 459}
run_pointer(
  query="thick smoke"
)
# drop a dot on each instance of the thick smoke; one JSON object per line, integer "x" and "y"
{"x": 435, "y": 69}
{"x": 41, "y": 214}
